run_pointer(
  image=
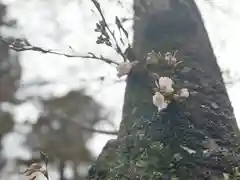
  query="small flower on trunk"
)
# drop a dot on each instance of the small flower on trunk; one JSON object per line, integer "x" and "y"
{"x": 165, "y": 85}
{"x": 125, "y": 67}
{"x": 34, "y": 171}
{"x": 171, "y": 59}
{"x": 184, "y": 93}
{"x": 167, "y": 56}
{"x": 152, "y": 58}
{"x": 159, "y": 102}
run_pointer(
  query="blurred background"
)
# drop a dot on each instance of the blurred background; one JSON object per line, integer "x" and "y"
{"x": 70, "y": 107}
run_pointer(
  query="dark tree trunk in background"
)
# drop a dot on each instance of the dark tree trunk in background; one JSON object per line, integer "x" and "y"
{"x": 75, "y": 171}
{"x": 195, "y": 139}
{"x": 61, "y": 168}
{"x": 10, "y": 72}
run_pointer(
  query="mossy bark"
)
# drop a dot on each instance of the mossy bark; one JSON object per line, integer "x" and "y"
{"x": 194, "y": 139}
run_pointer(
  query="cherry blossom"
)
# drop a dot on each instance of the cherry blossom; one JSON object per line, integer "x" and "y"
{"x": 184, "y": 93}
{"x": 165, "y": 85}
{"x": 158, "y": 101}
{"x": 152, "y": 58}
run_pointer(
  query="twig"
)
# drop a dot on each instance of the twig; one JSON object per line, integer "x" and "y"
{"x": 118, "y": 49}
{"x": 97, "y": 130}
{"x": 28, "y": 47}
{"x": 81, "y": 127}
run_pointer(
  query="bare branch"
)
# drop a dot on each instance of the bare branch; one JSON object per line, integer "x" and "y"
{"x": 97, "y": 130}
{"x": 23, "y": 45}
{"x": 99, "y": 79}
{"x": 44, "y": 82}
{"x": 118, "y": 49}
{"x": 84, "y": 128}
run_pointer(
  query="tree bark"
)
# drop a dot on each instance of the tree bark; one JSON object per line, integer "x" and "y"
{"x": 194, "y": 139}
{"x": 75, "y": 171}
{"x": 61, "y": 169}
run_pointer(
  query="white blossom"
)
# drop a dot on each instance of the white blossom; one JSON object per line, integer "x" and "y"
{"x": 184, "y": 93}
{"x": 152, "y": 58}
{"x": 167, "y": 56}
{"x": 226, "y": 176}
{"x": 165, "y": 84}
{"x": 36, "y": 171}
{"x": 158, "y": 101}
{"x": 171, "y": 59}
{"x": 190, "y": 151}
{"x": 37, "y": 176}
{"x": 124, "y": 68}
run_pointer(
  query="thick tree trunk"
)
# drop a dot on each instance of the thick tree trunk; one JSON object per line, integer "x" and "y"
{"x": 195, "y": 139}
{"x": 61, "y": 169}
{"x": 75, "y": 171}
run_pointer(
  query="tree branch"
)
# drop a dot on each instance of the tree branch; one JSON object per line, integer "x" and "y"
{"x": 118, "y": 49}
{"x": 98, "y": 130}
{"x": 84, "y": 128}
{"x": 23, "y": 45}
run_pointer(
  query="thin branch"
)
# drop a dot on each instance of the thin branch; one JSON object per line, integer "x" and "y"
{"x": 45, "y": 83}
{"x": 100, "y": 79}
{"x": 84, "y": 128}
{"x": 23, "y": 46}
{"x": 98, "y": 130}
{"x": 118, "y": 49}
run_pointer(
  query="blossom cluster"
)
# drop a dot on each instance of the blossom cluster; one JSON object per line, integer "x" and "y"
{"x": 170, "y": 58}
{"x": 36, "y": 171}
{"x": 154, "y": 58}
{"x": 125, "y": 67}
{"x": 165, "y": 91}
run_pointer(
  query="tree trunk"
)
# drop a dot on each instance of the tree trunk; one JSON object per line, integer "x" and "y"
{"x": 195, "y": 139}
{"x": 75, "y": 171}
{"x": 61, "y": 169}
